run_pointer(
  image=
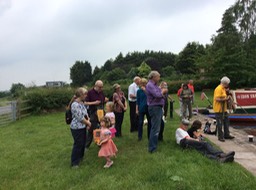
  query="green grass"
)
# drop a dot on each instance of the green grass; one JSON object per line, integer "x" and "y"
{"x": 35, "y": 154}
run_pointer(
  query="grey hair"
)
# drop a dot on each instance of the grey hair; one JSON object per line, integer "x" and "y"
{"x": 136, "y": 78}
{"x": 98, "y": 82}
{"x": 80, "y": 91}
{"x": 153, "y": 74}
{"x": 225, "y": 80}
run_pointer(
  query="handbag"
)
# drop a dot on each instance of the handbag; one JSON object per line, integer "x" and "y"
{"x": 100, "y": 114}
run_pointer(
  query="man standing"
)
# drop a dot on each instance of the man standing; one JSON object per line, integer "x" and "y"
{"x": 95, "y": 100}
{"x": 155, "y": 101}
{"x": 191, "y": 87}
{"x": 205, "y": 148}
{"x": 220, "y": 99}
{"x": 132, "y": 93}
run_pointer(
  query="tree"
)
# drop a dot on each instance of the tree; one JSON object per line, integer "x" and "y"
{"x": 16, "y": 89}
{"x": 144, "y": 70}
{"x": 81, "y": 73}
{"x": 116, "y": 74}
{"x": 186, "y": 63}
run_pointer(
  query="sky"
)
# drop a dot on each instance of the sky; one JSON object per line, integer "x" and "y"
{"x": 40, "y": 40}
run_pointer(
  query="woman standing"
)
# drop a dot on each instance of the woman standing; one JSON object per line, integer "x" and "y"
{"x": 78, "y": 126}
{"x": 120, "y": 107}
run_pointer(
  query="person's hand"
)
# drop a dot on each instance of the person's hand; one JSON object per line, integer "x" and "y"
{"x": 164, "y": 91}
{"x": 99, "y": 143}
{"x": 97, "y": 102}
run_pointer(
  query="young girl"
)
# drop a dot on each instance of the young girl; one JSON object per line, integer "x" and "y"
{"x": 110, "y": 114}
{"x": 108, "y": 148}
{"x": 195, "y": 130}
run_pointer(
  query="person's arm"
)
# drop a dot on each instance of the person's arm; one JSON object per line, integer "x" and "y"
{"x": 106, "y": 138}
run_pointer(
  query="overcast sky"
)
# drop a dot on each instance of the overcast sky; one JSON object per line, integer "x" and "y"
{"x": 40, "y": 40}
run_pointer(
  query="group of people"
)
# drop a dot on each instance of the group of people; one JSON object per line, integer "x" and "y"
{"x": 146, "y": 97}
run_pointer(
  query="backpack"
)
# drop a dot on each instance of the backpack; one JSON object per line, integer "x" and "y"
{"x": 68, "y": 113}
{"x": 68, "y": 116}
{"x": 207, "y": 129}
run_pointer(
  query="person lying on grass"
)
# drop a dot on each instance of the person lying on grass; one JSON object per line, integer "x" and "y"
{"x": 205, "y": 148}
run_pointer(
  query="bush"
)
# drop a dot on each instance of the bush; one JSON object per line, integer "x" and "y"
{"x": 46, "y": 99}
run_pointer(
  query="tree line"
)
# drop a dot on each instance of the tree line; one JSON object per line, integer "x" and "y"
{"x": 232, "y": 52}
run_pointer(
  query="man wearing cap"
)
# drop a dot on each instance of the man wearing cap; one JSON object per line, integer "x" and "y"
{"x": 220, "y": 99}
{"x": 95, "y": 100}
{"x": 132, "y": 97}
{"x": 185, "y": 141}
{"x": 155, "y": 102}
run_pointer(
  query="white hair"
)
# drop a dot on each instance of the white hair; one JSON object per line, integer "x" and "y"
{"x": 152, "y": 74}
{"x": 225, "y": 80}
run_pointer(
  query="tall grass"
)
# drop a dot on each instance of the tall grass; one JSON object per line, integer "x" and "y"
{"x": 35, "y": 154}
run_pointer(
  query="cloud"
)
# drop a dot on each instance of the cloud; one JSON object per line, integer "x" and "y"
{"x": 43, "y": 38}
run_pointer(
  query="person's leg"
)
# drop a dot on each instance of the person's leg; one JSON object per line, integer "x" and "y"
{"x": 160, "y": 136}
{"x": 171, "y": 109}
{"x": 94, "y": 125}
{"x": 118, "y": 124}
{"x": 141, "y": 122}
{"x": 149, "y": 124}
{"x": 184, "y": 109}
{"x": 226, "y": 126}
{"x": 133, "y": 116}
{"x": 189, "y": 109}
{"x": 156, "y": 114}
{"x": 219, "y": 117}
{"x": 203, "y": 147}
{"x": 78, "y": 146}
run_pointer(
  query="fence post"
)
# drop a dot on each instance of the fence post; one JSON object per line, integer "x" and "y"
{"x": 14, "y": 110}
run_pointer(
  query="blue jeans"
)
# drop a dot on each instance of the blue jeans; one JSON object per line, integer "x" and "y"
{"x": 222, "y": 120}
{"x": 156, "y": 114}
{"x": 201, "y": 146}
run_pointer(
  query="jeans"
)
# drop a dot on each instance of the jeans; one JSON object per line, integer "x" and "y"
{"x": 160, "y": 136}
{"x": 141, "y": 123}
{"x": 156, "y": 114}
{"x": 201, "y": 146}
{"x": 222, "y": 120}
{"x": 79, "y": 136}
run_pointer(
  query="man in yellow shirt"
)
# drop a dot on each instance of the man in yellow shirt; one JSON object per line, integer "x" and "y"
{"x": 220, "y": 99}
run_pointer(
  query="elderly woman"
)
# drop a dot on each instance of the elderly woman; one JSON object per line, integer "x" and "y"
{"x": 78, "y": 127}
{"x": 120, "y": 107}
{"x": 142, "y": 108}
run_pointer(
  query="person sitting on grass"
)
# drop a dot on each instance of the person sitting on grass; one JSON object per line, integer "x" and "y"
{"x": 195, "y": 130}
{"x": 185, "y": 141}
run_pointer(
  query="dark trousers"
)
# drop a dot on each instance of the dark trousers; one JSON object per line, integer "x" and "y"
{"x": 141, "y": 123}
{"x": 171, "y": 109}
{"x": 201, "y": 146}
{"x": 160, "y": 136}
{"x": 94, "y": 125}
{"x": 119, "y": 121}
{"x": 79, "y": 136}
{"x": 222, "y": 121}
{"x": 134, "y": 118}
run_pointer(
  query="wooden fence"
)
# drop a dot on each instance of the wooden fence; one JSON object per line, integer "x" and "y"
{"x": 13, "y": 111}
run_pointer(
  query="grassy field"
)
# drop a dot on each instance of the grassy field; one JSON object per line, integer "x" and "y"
{"x": 35, "y": 154}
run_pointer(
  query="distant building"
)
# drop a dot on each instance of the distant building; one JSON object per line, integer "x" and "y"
{"x": 55, "y": 84}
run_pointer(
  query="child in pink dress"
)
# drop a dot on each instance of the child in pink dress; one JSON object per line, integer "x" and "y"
{"x": 109, "y": 113}
{"x": 108, "y": 148}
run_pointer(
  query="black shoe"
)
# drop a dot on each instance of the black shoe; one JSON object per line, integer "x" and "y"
{"x": 226, "y": 159}
{"x": 229, "y": 137}
{"x": 222, "y": 140}
{"x": 231, "y": 153}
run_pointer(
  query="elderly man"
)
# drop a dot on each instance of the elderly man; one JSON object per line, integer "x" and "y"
{"x": 155, "y": 102}
{"x": 132, "y": 93}
{"x": 220, "y": 99}
{"x": 95, "y": 100}
{"x": 185, "y": 141}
